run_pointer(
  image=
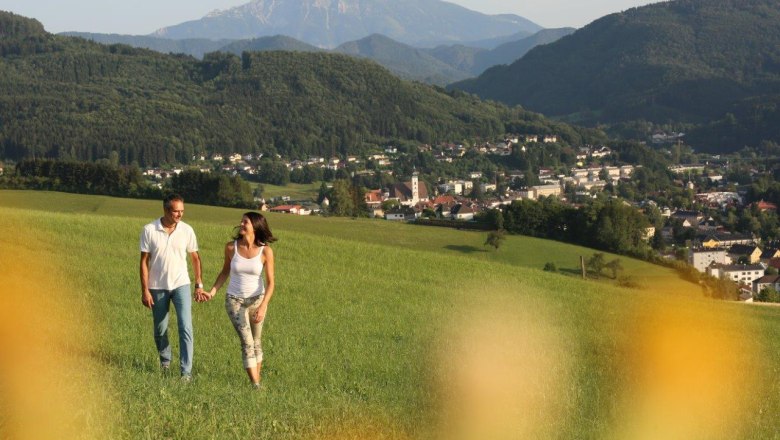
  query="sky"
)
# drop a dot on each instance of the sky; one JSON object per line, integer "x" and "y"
{"x": 141, "y": 17}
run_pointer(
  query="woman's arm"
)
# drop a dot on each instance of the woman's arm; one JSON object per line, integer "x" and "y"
{"x": 269, "y": 283}
{"x": 225, "y": 272}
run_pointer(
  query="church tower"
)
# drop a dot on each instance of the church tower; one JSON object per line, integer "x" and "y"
{"x": 415, "y": 188}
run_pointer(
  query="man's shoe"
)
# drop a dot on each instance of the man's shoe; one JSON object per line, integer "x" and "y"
{"x": 186, "y": 378}
{"x": 166, "y": 369}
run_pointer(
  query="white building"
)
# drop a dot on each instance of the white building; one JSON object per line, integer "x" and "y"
{"x": 544, "y": 191}
{"x": 703, "y": 258}
{"x": 739, "y": 273}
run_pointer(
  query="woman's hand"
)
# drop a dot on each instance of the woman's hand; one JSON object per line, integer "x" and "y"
{"x": 260, "y": 313}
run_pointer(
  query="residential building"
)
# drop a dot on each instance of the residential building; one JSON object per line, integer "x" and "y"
{"x": 400, "y": 213}
{"x": 681, "y": 169}
{"x": 374, "y": 198}
{"x": 765, "y": 206}
{"x": 291, "y": 209}
{"x": 463, "y": 212}
{"x": 544, "y": 191}
{"x": 689, "y": 218}
{"x": 750, "y": 252}
{"x": 739, "y": 273}
{"x": 766, "y": 281}
{"x": 703, "y": 258}
{"x": 771, "y": 254}
{"x": 721, "y": 239}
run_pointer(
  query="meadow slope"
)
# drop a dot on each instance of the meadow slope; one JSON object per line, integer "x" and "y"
{"x": 374, "y": 334}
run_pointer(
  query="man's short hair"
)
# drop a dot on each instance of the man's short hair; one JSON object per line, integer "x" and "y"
{"x": 167, "y": 201}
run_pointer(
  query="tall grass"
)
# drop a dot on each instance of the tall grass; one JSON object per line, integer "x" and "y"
{"x": 517, "y": 250}
{"x": 374, "y": 339}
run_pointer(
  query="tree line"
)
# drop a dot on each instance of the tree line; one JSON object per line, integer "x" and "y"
{"x": 103, "y": 178}
{"x": 609, "y": 225}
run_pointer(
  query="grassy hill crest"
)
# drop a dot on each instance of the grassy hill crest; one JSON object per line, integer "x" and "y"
{"x": 371, "y": 336}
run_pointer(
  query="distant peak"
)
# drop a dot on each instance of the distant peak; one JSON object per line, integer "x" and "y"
{"x": 216, "y": 13}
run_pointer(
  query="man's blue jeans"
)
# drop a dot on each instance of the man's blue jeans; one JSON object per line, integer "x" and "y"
{"x": 182, "y": 302}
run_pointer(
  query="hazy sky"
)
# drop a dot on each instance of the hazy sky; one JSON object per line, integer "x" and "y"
{"x": 140, "y": 17}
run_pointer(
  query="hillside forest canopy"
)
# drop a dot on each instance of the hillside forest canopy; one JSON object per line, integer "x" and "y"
{"x": 72, "y": 99}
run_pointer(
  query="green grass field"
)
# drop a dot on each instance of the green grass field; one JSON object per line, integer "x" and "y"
{"x": 377, "y": 330}
{"x": 296, "y": 191}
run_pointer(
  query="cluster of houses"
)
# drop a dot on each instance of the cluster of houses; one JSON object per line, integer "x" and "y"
{"x": 737, "y": 257}
{"x": 413, "y": 198}
{"x": 450, "y": 200}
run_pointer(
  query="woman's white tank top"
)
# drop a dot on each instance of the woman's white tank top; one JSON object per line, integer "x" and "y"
{"x": 246, "y": 275}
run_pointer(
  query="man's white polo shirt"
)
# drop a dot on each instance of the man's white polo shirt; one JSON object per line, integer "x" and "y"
{"x": 168, "y": 254}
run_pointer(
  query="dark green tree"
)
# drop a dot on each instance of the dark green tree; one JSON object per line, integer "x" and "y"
{"x": 495, "y": 238}
{"x": 595, "y": 264}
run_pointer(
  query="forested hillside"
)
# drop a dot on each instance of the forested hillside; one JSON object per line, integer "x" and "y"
{"x": 714, "y": 64}
{"x": 74, "y": 99}
{"x": 196, "y": 47}
{"x": 403, "y": 60}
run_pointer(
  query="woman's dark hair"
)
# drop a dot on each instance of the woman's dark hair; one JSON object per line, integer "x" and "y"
{"x": 263, "y": 233}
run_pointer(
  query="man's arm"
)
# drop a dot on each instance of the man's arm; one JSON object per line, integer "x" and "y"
{"x": 146, "y": 295}
{"x": 196, "y": 267}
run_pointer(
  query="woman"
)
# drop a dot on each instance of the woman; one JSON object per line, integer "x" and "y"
{"x": 247, "y": 296}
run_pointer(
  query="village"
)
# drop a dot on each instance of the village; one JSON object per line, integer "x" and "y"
{"x": 710, "y": 247}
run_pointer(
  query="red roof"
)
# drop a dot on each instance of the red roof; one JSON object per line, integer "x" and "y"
{"x": 285, "y": 207}
{"x": 443, "y": 199}
{"x": 374, "y": 195}
{"x": 766, "y": 206}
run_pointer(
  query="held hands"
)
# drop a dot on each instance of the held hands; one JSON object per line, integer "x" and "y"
{"x": 203, "y": 296}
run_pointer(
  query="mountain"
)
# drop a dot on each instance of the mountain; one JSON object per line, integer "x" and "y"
{"x": 475, "y": 60}
{"x": 439, "y": 66}
{"x": 328, "y": 23}
{"x": 512, "y": 51}
{"x": 712, "y": 64}
{"x": 196, "y": 47}
{"x": 71, "y": 98}
{"x": 403, "y": 60}
{"x": 493, "y": 42}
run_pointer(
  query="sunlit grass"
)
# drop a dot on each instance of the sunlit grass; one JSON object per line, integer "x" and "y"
{"x": 296, "y": 191}
{"x": 379, "y": 335}
{"x": 516, "y": 250}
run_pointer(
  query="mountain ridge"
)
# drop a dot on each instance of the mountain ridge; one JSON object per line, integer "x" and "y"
{"x": 439, "y": 66}
{"x": 329, "y": 23}
{"x": 692, "y": 62}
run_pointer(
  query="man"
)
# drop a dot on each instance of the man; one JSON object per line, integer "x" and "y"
{"x": 165, "y": 244}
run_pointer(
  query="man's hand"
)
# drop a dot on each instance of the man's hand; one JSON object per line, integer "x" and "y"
{"x": 146, "y": 299}
{"x": 201, "y": 295}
